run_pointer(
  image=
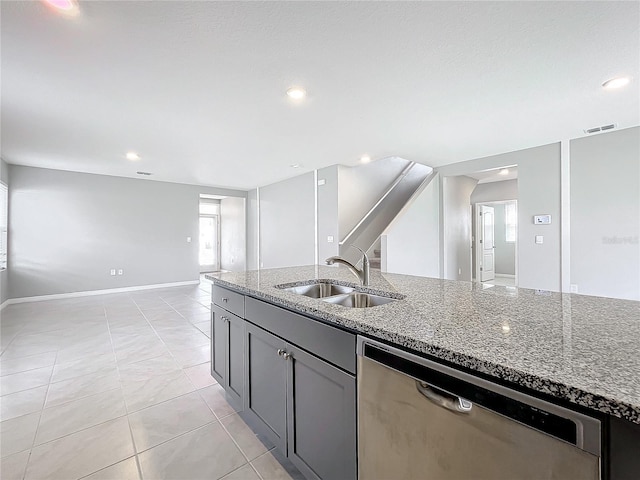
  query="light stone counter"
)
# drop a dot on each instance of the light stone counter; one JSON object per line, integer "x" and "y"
{"x": 582, "y": 349}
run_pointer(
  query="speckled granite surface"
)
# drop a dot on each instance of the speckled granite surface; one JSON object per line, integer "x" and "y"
{"x": 579, "y": 348}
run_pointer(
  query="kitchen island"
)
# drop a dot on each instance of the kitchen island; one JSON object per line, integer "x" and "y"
{"x": 576, "y": 350}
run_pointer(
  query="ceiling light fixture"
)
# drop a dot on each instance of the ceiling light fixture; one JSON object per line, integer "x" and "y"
{"x": 65, "y": 6}
{"x": 133, "y": 156}
{"x": 144, "y": 173}
{"x": 295, "y": 165}
{"x": 616, "y": 83}
{"x": 296, "y": 93}
{"x": 504, "y": 171}
{"x": 365, "y": 158}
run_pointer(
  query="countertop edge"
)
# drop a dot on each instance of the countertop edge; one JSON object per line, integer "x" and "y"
{"x": 574, "y": 395}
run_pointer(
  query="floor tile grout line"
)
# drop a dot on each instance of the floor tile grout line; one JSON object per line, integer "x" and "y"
{"x": 124, "y": 400}
{"x": 239, "y": 448}
{"x": 35, "y": 434}
{"x": 215, "y": 420}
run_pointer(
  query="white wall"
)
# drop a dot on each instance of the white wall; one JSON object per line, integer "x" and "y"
{"x": 456, "y": 216}
{"x": 605, "y": 214}
{"x": 4, "y": 275}
{"x": 495, "y": 191}
{"x": 287, "y": 222}
{"x": 233, "y": 238}
{"x": 505, "y": 252}
{"x": 252, "y": 230}
{"x": 67, "y": 230}
{"x": 539, "y": 193}
{"x": 328, "y": 213}
{"x": 360, "y": 187}
{"x": 413, "y": 239}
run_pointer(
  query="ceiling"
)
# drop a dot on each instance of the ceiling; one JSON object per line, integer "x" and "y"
{"x": 494, "y": 175}
{"x": 198, "y": 88}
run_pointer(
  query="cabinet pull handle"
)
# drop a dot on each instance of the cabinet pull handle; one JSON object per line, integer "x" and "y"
{"x": 225, "y": 319}
{"x": 286, "y": 355}
{"x": 224, "y": 299}
{"x": 281, "y": 352}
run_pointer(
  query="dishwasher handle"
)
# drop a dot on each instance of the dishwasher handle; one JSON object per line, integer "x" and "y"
{"x": 444, "y": 399}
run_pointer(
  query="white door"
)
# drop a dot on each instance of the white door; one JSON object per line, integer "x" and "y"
{"x": 487, "y": 243}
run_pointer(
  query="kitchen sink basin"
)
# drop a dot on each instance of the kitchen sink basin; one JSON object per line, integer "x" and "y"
{"x": 358, "y": 300}
{"x": 320, "y": 290}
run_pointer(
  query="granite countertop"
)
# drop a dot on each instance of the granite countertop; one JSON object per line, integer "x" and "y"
{"x": 575, "y": 347}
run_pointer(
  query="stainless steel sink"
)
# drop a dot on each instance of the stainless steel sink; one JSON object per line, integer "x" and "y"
{"x": 359, "y": 300}
{"x": 319, "y": 290}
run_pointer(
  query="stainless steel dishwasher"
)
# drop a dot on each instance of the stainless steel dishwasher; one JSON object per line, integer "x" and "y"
{"x": 418, "y": 419}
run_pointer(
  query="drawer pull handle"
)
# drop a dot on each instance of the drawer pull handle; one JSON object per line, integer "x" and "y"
{"x": 281, "y": 352}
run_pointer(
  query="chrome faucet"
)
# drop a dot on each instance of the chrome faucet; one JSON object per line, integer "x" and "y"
{"x": 363, "y": 275}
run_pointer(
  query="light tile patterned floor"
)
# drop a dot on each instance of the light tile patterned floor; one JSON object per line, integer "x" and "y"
{"x": 118, "y": 387}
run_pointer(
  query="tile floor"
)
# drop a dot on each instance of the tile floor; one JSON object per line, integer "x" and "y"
{"x": 118, "y": 387}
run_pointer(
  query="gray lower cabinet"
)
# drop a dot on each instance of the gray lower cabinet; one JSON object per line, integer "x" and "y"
{"x": 303, "y": 404}
{"x": 227, "y": 353}
{"x": 266, "y": 384}
{"x": 321, "y": 423}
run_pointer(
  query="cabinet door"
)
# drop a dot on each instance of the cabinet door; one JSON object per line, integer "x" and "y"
{"x": 235, "y": 361}
{"x": 218, "y": 344}
{"x": 266, "y": 384}
{"x": 321, "y": 418}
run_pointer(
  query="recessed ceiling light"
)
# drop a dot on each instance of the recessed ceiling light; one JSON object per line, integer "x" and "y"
{"x": 65, "y": 6}
{"x": 296, "y": 93}
{"x": 616, "y": 83}
{"x": 144, "y": 173}
{"x": 504, "y": 171}
{"x": 133, "y": 156}
{"x": 295, "y": 165}
{"x": 365, "y": 158}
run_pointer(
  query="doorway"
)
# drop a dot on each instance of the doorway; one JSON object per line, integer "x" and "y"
{"x": 495, "y": 237}
{"x": 209, "y": 239}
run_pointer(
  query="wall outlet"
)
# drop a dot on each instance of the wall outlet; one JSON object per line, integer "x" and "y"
{"x": 120, "y": 271}
{"x": 321, "y": 182}
{"x": 113, "y": 271}
{"x": 329, "y": 238}
{"x": 188, "y": 239}
{"x": 539, "y": 239}
{"x": 574, "y": 288}
{"x": 459, "y": 271}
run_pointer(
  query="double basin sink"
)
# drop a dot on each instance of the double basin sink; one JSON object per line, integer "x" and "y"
{"x": 339, "y": 295}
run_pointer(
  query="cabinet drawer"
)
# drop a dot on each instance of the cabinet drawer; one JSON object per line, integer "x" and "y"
{"x": 230, "y": 301}
{"x": 327, "y": 342}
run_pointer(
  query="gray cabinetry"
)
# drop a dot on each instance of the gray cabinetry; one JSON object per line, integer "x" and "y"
{"x": 321, "y": 401}
{"x": 305, "y": 405}
{"x": 266, "y": 384}
{"x": 227, "y": 343}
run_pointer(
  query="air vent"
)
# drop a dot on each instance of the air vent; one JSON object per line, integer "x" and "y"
{"x": 144, "y": 173}
{"x": 603, "y": 128}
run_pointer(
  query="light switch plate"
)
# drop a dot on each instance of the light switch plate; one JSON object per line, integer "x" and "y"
{"x": 321, "y": 182}
{"x": 330, "y": 238}
{"x": 539, "y": 239}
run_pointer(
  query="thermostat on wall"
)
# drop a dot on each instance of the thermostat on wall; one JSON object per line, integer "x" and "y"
{"x": 542, "y": 219}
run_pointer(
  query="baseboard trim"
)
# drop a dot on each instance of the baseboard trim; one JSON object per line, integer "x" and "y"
{"x": 88, "y": 293}
{"x": 504, "y": 275}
